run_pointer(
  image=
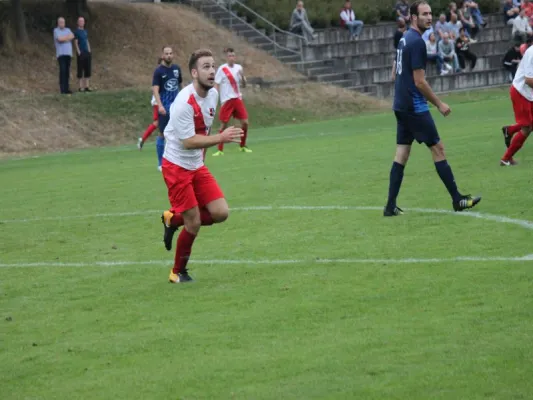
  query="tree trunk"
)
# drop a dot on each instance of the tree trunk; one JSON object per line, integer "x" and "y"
{"x": 80, "y": 6}
{"x": 20, "y": 21}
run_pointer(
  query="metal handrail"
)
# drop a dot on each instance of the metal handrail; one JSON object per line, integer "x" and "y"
{"x": 276, "y": 28}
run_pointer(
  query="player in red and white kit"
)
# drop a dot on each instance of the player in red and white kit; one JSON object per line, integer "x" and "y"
{"x": 522, "y": 98}
{"x": 152, "y": 127}
{"x": 228, "y": 79}
{"x": 194, "y": 194}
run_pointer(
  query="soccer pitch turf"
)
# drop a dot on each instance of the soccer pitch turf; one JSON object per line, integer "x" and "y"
{"x": 307, "y": 291}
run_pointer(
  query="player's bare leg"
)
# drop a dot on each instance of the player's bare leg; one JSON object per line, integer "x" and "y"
{"x": 244, "y": 127}
{"x": 220, "y": 151}
{"x": 396, "y": 177}
{"x": 460, "y": 202}
{"x": 516, "y": 144}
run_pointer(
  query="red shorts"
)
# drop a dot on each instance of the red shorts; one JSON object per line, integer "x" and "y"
{"x": 188, "y": 189}
{"x": 522, "y": 107}
{"x": 155, "y": 115}
{"x": 233, "y": 108}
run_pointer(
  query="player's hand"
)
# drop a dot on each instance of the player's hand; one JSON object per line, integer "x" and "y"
{"x": 231, "y": 135}
{"x": 162, "y": 110}
{"x": 444, "y": 109}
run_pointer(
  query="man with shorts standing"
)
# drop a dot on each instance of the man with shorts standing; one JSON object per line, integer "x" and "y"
{"x": 414, "y": 121}
{"x": 194, "y": 194}
{"x": 83, "y": 51}
{"x": 166, "y": 85}
{"x": 522, "y": 98}
{"x": 228, "y": 79}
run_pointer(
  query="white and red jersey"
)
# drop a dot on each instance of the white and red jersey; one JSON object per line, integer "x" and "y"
{"x": 190, "y": 115}
{"x": 525, "y": 70}
{"x": 229, "y": 81}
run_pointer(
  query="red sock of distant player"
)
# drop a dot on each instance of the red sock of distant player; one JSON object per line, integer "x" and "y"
{"x": 151, "y": 128}
{"x": 516, "y": 144}
{"x": 512, "y": 129}
{"x": 244, "y": 136}
{"x": 205, "y": 217}
{"x": 183, "y": 251}
{"x": 221, "y": 145}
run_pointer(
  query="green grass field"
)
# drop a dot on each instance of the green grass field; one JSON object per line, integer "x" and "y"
{"x": 305, "y": 292}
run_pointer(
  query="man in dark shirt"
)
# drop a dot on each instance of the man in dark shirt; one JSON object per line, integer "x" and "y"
{"x": 83, "y": 52}
{"x": 512, "y": 59}
{"x": 413, "y": 119}
{"x": 166, "y": 84}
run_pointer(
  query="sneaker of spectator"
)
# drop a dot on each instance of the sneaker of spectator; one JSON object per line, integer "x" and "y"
{"x": 348, "y": 20}
{"x": 510, "y": 12}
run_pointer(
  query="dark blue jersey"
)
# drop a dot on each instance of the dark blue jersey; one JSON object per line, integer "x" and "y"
{"x": 410, "y": 56}
{"x": 169, "y": 80}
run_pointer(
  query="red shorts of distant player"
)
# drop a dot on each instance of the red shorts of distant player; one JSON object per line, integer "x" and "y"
{"x": 233, "y": 108}
{"x": 155, "y": 113}
{"x": 522, "y": 107}
{"x": 188, "y": 189}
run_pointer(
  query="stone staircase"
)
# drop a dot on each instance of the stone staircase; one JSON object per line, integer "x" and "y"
{"x": 365, "y": 64}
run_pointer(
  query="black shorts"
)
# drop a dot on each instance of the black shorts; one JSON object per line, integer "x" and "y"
{"x": 412, "y": 126}
{"x": 163, "y": 122}
{"x": 84, "y": 65}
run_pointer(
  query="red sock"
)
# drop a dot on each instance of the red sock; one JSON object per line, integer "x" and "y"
{"x": 512, "y": 129}
{"x": 244, "y": 136}
{"x": 151, "y": 128}
{"x": 183, "y": 251}
{"x": 516, "y": 144}
{"x": 205, "y": 217}
{"x": 220, "y": 145}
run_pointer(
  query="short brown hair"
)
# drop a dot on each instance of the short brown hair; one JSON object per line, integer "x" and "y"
{"x": 196, "y": 56}
{"x": 229, "y": 50}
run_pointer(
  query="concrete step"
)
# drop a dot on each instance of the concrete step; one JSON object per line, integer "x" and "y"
{"x": 306, "y": 65}
{"x": 249, "y": 34}
{"x": 290, "y": 58}
{"x": 341, "y": 82}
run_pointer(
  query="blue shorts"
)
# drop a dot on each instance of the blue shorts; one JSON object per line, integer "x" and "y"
{"x": 163, "y": 121}
{"x": 420, "y": 127}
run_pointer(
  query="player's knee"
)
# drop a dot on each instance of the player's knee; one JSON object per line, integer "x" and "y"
{"x": 402, "y": 154}
{"x": 220, "y": 214}
{"x": 438, "y": 151}
{"x": 192, "y": 223}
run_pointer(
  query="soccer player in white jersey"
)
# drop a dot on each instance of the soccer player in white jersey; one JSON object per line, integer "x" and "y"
{"x": 522, "y": 98}
{"x": 194, "y": 194}
{"x": 228, "y": 79}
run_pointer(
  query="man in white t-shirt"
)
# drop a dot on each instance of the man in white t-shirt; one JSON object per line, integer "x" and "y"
{"x": 522, "y": 98}
{"x": 228, "y": 79}
{"x": 194, "y": 194}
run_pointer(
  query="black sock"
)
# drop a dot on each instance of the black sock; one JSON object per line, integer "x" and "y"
{"x": 396, "y": 177}
{"x": 446, "y": 175}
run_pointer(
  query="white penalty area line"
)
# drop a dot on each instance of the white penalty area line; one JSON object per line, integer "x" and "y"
{"x": 275, "y": 262}
{"x": 487, "y": 217}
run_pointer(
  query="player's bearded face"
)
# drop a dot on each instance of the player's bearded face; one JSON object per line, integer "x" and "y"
{"x": 424, "y": 18}
{"x": 205, "y": 72}
{"x": 167, "y": 56}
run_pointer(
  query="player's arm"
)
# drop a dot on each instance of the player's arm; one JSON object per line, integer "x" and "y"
{"x": 180, "y": 79}
{"x": 528, "y": 71}
{"x": 243, "y": 77}
{"x": 393, "y": 72}
{"x": 156, "y": 84}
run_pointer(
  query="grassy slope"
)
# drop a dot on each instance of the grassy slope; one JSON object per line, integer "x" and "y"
{"x": 445, "y": 330}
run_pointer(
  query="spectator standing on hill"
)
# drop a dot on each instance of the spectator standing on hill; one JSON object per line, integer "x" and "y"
{"x": 348, "y": 20}
{"x": 63, "y": 41}
{"x": 300, "y": 23}
{"x": 521, "y": 28}
{"x": 402, "y": 10}
{"x": 510, "y": 12}
{"x": 83, "y": 51}
{"x": 511, "y": 60}
{"x": 462, "y": 46}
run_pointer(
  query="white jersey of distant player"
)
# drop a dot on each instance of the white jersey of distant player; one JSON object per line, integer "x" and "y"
{"x": 524, "y": 70}
{"x": 153, "y": 102}
{"x": 183, "y": 124}
{"x": 227, "y": 91}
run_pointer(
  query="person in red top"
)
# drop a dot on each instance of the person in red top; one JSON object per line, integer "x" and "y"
{"x": 228, "y": 79}
{"x": 348, "y": 20}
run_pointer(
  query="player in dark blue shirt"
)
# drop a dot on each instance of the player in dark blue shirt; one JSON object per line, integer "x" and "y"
{"x": 166, "y": 84}
{"x": 414, "y": 122}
